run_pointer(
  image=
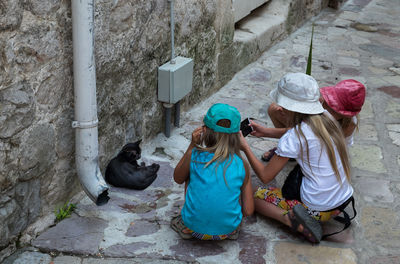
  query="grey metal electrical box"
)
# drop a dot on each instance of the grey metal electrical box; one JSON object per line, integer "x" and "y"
{"x": 175, "y": 80}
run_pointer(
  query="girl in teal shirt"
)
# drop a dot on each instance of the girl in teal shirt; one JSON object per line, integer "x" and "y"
{"x": 217, "y": 180}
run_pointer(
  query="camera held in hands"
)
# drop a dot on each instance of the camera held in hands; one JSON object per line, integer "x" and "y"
{"x": 245, "y": 127}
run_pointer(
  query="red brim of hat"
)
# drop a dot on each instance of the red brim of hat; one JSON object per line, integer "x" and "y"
{"x": 332, "y": 100}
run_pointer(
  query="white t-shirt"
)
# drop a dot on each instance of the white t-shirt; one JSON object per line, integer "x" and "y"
{"x": 320, "y": 189}
{"x": 350, "y": 139}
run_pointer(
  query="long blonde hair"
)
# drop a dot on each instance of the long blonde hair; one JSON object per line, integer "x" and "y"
{"x": 320, "y": 124}
{"x": 223, "y": 145}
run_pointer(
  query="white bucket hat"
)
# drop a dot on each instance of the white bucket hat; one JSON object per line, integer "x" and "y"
{"x": 298, "y": 92}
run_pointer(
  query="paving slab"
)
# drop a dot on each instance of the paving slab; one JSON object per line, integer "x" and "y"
{"x": 367, "y": 132}
{"x": 368, "y": 158}
{"x": 375, "y": 190}
{"x": 367, "y": 110}
{"x": 394, "y": 133}
{"x": 32, "y": 258}
{"x": 67, "y": 260}
{"x": 300, "y": 253}
{"x": 78, "y": 235}
{"x": 381, "y": 226}
{"x": 393, "y": 109}
{"x": 384, "y": 260}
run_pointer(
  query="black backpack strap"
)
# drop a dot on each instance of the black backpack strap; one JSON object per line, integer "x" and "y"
{"x": 345, "y": 219}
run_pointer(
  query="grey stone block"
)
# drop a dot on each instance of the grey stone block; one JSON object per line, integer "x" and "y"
{"x": 17, "y": 111}
{"x": 128, "y": 250}
{"x": 37, "y": 151}
{"x": 32, "y": 258}
{"x": 10, "y": 14}
{"x": 189, "y": 250}
{"x": 75, "y": 235}
{"x": 67, "y": 260}
{"x": 44, "y": 7}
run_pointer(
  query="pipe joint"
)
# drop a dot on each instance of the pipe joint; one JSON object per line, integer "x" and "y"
{"x": 85, "y": 124}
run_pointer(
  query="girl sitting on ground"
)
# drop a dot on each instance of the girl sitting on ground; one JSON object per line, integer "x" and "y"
{"x": 343, "y": 101}
{"x": 218, "y": 190}
{"x": 317, "y": 143}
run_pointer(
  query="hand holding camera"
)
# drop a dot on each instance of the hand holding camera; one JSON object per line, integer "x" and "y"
{"x": 245, "y": 127}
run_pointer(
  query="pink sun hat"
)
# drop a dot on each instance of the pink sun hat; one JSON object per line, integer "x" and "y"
{"x": 346, "y": 97}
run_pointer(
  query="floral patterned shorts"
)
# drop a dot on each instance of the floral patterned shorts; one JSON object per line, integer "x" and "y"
{"x": 274, "y": 195}
{"x": 211, "y": 237}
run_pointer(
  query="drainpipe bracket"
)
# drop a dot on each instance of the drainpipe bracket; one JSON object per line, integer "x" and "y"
{"x": 168, "y": 105}
{"x": 85, "y": 124}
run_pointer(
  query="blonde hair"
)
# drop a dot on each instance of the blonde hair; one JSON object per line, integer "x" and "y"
{"x": 329, "y": 133}
{"x": 223, "y": 145}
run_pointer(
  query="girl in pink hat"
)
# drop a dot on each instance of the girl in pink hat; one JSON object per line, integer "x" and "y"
{"x": 343, "y": 101}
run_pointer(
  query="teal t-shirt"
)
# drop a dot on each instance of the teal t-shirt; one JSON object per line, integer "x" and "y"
{"x": 212, "y": 205}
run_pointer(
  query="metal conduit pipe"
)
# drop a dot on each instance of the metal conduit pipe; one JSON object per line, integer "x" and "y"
{"x": 86, "y": 122}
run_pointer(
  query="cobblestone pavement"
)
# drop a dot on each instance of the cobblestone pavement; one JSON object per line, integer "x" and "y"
{"x": 360, "y": 41}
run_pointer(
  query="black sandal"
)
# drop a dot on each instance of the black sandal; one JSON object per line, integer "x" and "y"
{"x": 312, "y": 229}
{"x": 269, "y": 156}
{"x": 235, "y": 234}
{"x": 178, "y": 225}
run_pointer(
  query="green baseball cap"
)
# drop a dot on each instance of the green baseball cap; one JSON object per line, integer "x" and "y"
{"x": 222, "y": 111}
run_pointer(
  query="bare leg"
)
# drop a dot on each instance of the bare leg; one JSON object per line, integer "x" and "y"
{"x": 272, "y": 211}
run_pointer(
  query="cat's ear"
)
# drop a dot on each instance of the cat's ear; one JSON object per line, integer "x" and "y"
{"x": 128, "y": 147}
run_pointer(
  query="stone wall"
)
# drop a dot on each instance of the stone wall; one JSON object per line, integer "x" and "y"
{"x": 132, "y": 38}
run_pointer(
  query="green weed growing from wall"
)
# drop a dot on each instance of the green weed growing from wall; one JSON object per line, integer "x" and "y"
{"x": 64, "y": 211}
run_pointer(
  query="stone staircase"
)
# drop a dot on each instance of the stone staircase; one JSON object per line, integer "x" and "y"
{"x": 270, "y": 23}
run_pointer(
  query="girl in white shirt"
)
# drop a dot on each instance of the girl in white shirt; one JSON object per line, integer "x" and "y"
{"x": 317, "y": 143}
{"x": 343, "y": 101}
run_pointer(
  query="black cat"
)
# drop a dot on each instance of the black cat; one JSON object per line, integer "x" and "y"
{"x": 124, "y": 171}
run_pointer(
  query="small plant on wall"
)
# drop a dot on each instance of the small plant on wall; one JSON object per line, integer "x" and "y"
{"x": 64, "y": 211}
{"x": 309, "y": 60}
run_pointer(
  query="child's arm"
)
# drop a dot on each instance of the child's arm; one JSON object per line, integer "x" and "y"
{"x": 271, "y": 132}
{"x": 247, "y": 193}
{"x": 182, "y": 170}
{"x": 266, "y": 173}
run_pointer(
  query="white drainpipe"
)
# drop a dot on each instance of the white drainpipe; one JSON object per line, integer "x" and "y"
{"x": 85, "y": 124}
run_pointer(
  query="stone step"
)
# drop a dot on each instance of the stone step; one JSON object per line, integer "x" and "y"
{"x": 264, "y": 25}
{"x": 267, "y": 25}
